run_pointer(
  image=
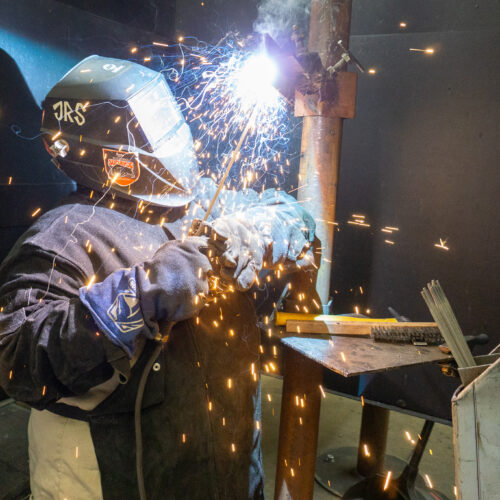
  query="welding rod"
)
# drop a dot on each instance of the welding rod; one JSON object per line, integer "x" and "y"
{"x": 453, "y": 323}
{"x": 440, "y": 298}
{"x": 443, "y": 327}
{"x": 228, "y": 168}
{"x": 442, "y": 313}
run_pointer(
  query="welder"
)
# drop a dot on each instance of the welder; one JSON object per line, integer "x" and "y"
{"x": 87, "y": 291}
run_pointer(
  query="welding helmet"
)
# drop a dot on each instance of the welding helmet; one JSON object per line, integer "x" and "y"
{"x": 114, "y": 124}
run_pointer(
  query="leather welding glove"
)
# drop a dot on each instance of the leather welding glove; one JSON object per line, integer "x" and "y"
{"x": 268, "y": 237}
{"x": 240, "y": 251}
{"x": 288, "y": 233}
{"x": 170, "y": 286}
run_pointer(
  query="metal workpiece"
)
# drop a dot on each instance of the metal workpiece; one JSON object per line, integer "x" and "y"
{"x": 320, "y": 155}
{"x": 350, "y": 356}
{"x": 299, "y": 424}
{"x": 321, "y": 136}
{"x": 330, "y": 21}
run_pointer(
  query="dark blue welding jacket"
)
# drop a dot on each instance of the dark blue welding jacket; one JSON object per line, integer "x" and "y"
{"x": 200, "y": 436}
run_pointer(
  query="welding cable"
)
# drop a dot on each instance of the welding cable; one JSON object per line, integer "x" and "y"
{"x": 137, "y": 413}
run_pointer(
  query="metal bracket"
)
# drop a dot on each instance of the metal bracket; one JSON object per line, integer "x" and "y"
{"x": 342, "y": 104}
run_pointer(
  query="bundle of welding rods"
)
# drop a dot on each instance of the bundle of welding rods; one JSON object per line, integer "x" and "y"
{"x": 447, "y": 322}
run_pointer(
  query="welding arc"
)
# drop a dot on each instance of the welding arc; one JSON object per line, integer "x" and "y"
{"x": 442, "y": 313}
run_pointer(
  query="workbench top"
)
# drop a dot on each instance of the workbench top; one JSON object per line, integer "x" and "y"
{"x": 349, "y": 356}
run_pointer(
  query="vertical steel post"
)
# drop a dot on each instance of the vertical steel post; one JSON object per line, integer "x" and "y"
{"x": 319, "y": 166}
{"x": 299, "y": 424}
{"x": 322, "y": 136}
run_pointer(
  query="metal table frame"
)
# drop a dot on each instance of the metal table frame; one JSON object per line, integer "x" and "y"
{"x": 301, "y": 402}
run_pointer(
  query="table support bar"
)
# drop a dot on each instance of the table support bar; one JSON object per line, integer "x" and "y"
{"x": 299, "y": 422}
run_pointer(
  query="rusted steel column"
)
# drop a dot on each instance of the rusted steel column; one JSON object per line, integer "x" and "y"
{"x": 299, "y": 423}
{"x": 321, "y": 136}
{"x": 372, "y": 440}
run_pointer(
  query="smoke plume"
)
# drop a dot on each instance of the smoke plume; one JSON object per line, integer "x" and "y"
{"x": 276, "y": 17}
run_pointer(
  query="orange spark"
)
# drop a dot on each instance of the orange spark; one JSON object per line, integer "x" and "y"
{"x": 387, "y": 479}
{"x": 91, "y": 281}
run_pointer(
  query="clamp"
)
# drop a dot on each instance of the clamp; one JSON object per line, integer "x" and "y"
{"x": 345, "y": 58}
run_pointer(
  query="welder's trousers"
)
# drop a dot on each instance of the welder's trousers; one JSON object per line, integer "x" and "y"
{"x": 63, "y": 463}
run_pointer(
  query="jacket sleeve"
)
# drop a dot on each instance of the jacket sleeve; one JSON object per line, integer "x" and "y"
{"x": 50, "y": 346}
{"x": 287, "y": 228}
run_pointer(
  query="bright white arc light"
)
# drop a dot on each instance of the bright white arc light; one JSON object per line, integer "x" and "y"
{"x": 254, "y": 81}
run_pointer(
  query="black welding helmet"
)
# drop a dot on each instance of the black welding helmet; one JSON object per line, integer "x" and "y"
{"x": 110, "y": 123}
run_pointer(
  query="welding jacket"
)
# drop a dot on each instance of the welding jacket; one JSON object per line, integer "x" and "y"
{"x": 201, "y": 433}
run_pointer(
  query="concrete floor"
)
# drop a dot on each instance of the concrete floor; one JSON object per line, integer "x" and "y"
{"x": 339, "y": 426}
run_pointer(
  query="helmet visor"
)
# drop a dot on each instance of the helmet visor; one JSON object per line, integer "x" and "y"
{"x": 173, "y": 176}
{"x": 157, "y": 112}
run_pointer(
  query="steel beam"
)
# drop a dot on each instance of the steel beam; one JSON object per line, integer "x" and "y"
{"x": 321, "y": 136}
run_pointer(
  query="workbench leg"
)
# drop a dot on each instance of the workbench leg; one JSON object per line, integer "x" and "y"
{"x": 299, "y": 422}
{"x": 372, "y": 440}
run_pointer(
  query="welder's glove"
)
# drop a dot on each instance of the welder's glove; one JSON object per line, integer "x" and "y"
{"x": 288, "y": 233}
{"x": 170, "y": 286}
{"x": 240, "y": 251}
{"x": 285, "y": 227}
{"x": 267, "y": 235}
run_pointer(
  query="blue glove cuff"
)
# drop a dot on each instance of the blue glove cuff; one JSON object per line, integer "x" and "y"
{"x": 115, "y": 306}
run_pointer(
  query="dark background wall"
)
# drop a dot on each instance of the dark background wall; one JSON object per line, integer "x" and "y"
{"x": 422, "y": 153}
{"x": 154, "y": 16}
{"x": 39, "y": 41}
